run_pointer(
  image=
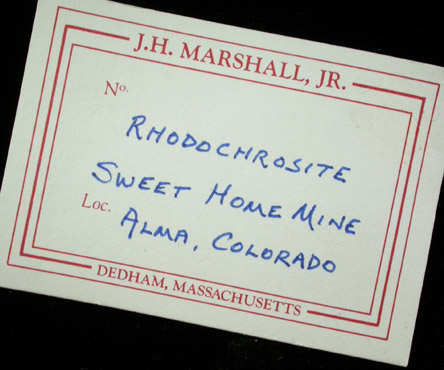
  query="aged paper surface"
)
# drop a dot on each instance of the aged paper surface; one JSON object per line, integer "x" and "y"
{"x": 224, "y": 177}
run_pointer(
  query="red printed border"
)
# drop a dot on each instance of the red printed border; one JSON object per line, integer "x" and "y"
{"x": 33, "y": 192}
{"x": 192, "y": 69}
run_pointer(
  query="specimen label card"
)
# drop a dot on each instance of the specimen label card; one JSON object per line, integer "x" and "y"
{"x": 225, "y": 177}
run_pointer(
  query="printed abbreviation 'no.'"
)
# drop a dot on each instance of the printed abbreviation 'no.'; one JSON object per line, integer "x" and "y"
{"x": 115, "y": 88}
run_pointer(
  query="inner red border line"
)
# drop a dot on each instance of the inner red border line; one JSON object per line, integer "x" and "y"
{"x": 93, "y": 31}
{"x": 192, "y": 69}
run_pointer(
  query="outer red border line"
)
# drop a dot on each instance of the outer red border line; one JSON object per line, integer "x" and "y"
{"x": 322, "y": 95}
{"x": 422, "y": 99}
{"x": 246, "y": 80}
{"x": 349, "y": 66}
{"x": 65, "y": 32}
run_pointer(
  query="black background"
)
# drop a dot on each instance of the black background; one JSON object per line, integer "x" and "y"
{"x": 62, "y": 334}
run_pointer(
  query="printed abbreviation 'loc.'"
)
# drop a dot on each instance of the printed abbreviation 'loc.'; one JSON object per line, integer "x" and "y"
{"x": 95, "y": 205}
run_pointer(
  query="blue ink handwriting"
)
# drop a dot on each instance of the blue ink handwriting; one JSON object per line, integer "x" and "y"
{"x": 223, "y": 243}
{"x": 106, "y": 175}
{"x": 132, "y": 219}
{"x": 222, "y": 195}
{"x": 260, "y": 157}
